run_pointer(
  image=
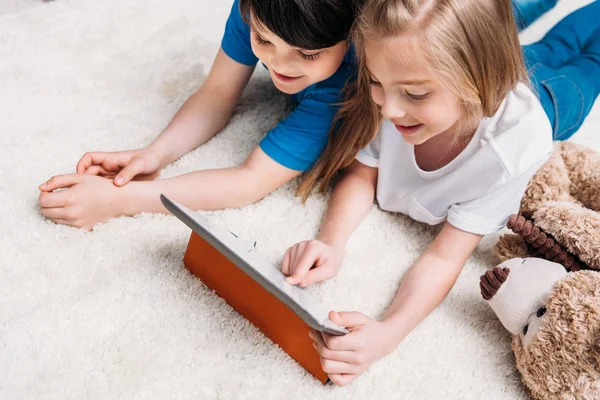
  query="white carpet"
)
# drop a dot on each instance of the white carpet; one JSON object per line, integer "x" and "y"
{"x": 113, "y": 313}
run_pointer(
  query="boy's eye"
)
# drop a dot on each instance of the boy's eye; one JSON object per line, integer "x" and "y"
{"x": 373, "y": 82}
{"x": 417, "y": 96}
{"x": 305, "y": 56}
{"x": 262, "y": 41}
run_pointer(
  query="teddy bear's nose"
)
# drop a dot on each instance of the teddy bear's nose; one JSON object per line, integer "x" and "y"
{"x": 491, "y": 281}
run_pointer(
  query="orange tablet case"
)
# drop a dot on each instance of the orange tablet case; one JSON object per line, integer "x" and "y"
{"x": 264, "y": 303}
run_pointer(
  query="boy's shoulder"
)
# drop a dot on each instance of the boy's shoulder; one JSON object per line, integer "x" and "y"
{"x": 520, "y": 132}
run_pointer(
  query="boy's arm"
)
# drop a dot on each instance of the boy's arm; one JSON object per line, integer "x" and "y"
{"x": 206, "y": 112}
{"x": 212, "y": 189}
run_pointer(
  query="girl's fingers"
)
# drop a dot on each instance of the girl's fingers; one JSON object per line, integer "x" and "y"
{"x": 305, "y": 261}
{"x": 285, "y": 263}
{"x": 322, "y": 273}
{"x": 342, "y": 379}
{"x": 337, "y": 367}
{"x": 61, "y": 221}
{"x": 328, "y": 354}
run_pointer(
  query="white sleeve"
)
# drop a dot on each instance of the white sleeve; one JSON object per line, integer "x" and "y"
{"x": 489, "y": 213}
{"x": 369, "y": 156}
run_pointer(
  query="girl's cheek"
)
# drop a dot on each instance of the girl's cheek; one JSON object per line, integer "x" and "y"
{"x": 377, "y": 95}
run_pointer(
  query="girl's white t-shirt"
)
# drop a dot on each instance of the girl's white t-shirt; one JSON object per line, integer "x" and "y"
{"x": 478, "y": 190}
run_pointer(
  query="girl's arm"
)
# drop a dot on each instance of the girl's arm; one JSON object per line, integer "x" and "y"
{"x": 422, "y": 289}
{"x": 350, "y": 201}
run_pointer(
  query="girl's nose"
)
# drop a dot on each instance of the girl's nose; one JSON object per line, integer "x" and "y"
{"x": 392, "y": 108}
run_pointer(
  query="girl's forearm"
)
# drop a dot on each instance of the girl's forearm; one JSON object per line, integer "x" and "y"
{"x": 422, "y": 289}
{"x": 350, "y": 201}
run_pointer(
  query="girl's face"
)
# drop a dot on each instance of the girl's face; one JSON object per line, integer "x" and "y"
{"x": 408, "y": 94}
{"x": 293, "y": 69}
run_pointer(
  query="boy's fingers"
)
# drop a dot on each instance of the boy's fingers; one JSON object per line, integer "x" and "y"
{"x": 135, "y": 167}
{"x": 55, "y": 212}
{"x": 61, "y": 181}
{"x": 51, "y": 199}
{"x": 89, "y": 159}
{"x": 98, "y": 170}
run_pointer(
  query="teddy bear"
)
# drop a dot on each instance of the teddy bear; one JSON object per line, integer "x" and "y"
{"x": 559, "y": 216}
{"x": 546, "y": 292}
{"x": 554, "y": 317}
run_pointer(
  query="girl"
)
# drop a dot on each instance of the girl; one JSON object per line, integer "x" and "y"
{"x": 303, "y": 43}
{"x": 454, "y": 134}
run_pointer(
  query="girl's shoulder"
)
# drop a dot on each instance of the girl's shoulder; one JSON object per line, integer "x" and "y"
{"x": 520, "y": 132}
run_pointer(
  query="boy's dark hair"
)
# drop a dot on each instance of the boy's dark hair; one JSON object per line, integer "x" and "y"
{"x": 306, "y": 24}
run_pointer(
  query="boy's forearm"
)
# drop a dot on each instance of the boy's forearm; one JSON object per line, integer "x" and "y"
{"x": 423, "y": 288}
{"x": 201, "y": 190}
{"x": 350, "y": 202}
{"x": 204, "y": 114}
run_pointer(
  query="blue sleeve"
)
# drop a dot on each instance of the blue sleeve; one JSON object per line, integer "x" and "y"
{"x": 297, "y": 141}
{"x": 236, "y": 39}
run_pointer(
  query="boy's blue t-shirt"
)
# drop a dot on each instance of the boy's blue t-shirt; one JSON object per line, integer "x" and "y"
{"x": 298, "y": 140}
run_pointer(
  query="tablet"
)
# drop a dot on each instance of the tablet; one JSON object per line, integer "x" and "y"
{"x": 245, "y": 257}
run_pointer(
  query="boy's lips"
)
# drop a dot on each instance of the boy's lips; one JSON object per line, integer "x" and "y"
{"x": 408, "y": 130}
{"x": 285, "y": 78}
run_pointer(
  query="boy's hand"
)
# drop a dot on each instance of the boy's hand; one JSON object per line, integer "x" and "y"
{"x": 122, "y": 166}
{"x": 310, "y": 262}
{"x": 85, "y": 201}
{"x": 345, "y": 358}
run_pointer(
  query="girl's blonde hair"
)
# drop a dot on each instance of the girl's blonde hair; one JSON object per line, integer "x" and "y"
{"x": 471, "y": 45}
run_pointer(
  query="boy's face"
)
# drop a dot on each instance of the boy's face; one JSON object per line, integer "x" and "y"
{"x": 293, "y": 69}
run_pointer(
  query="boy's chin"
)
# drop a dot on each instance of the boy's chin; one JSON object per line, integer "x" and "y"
{"x": 291, "y": 87}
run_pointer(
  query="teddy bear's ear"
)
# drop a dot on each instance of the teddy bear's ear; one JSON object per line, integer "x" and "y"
{"x": 582, "y": 164}
{"x": 490, "y": 282}
{"x": 575, "y": 227}
{"x": 540, "y": 244}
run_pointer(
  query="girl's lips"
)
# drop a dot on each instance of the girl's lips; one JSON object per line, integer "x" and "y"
{"x": 285, "y": 78}
{"x": 408, "y": 130}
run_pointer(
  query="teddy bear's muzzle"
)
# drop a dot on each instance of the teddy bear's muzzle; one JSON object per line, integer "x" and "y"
{"x": 491, "y": 281}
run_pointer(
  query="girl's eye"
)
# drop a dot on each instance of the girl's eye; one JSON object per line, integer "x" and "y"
{"x": 373, "y": 82}
{"x": 262, "y": 41}
{"x": 305, "y": 56}
{"x": 417, "y": 97}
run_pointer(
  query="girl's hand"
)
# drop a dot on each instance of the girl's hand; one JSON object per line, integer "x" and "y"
{"x": 310, "y": 262}
{"x": 345, "y": 358}
{"x": 122, "y": 166}
{"x": 85, "y": 201}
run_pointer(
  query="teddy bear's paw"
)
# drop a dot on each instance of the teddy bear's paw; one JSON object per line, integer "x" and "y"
{"x": 575, "y": 227}
{"x": 511, "y": 246}
{"x": 583, "y": 166}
